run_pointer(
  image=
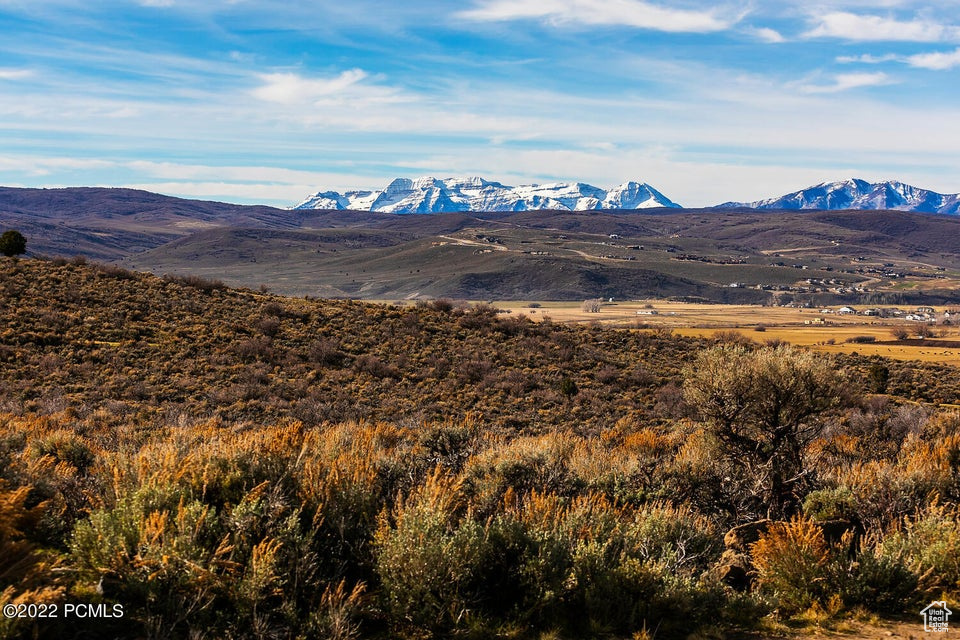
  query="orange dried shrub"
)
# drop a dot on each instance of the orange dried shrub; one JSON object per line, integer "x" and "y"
{"x": 59, "y": 465}
{"x": 838, "y": 450}
{"x": 889, "y": 490}
{"x": 342, "y": 497}
{"x": 609, "y": 470}
{"x": 883, "y": 494}
{"x": 336, "y": 617}
{"x": 935, "y": 463}
{"x": 594, "y": 568}
{"x": 523, "y": 464}
{"x": 165, "y": 563}
{"x": 649, "y": 442}
{"x": 209, "y": 462}
{"x": 791, "y": 561}
{"x": 26, "y": 572}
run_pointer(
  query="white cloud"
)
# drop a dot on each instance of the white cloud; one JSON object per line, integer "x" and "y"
{"x": 253, "y": 174}
{"x": 15, "y": 74}
{"x": 291, "y": 88}
{"x": 281, "y": 194}
{"x": 938, "y": 61}
{"x": 632, "y": 13}
{"x": 847, "y": 81}
{"x": 766, "y": 34}
{"x": 44, "y": 166}
{"x": 276, "y": 185}
{"x": 867, "y": 58}
{"x": 853, "y": 26}
{"x": 934, "y": 60}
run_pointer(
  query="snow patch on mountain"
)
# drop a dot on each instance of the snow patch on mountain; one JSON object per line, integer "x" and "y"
{"x": 432, "y": 195}
{"x": 860, "y": 194}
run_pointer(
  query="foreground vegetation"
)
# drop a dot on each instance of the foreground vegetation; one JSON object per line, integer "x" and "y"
{"x": 228, "y": 464}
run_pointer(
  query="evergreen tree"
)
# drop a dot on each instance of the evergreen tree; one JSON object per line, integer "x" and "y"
{"x": 12, "y": 243}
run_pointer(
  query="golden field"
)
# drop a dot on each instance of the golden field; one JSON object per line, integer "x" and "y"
{"x": 778, "y": 323}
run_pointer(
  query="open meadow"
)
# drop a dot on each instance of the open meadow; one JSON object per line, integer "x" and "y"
{"x": 826, "y": 332}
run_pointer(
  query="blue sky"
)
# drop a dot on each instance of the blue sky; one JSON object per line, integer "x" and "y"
{"x": 269, "y": 101}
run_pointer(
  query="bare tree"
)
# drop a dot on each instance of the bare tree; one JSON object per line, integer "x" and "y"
{"x": 592, "y": 305}
{"x": 764, "y": 407}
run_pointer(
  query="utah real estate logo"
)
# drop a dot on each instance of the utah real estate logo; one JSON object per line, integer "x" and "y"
{"x": 936, "y": 616}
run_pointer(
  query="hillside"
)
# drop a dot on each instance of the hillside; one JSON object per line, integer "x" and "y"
{"x": 97, "y": 336}
{"x": 577, "y": 255}
{"x": 108, "y": 224}
{"x": 228, "y": 462}
{"x": 850, "y": 256}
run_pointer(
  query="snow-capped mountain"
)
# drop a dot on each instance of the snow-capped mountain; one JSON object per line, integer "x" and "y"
{"x": 860, "y": 194}
{"x": 432, "y": 195}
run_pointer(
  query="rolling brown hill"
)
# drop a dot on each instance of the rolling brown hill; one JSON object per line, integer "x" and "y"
{"x": 506, "y": 255}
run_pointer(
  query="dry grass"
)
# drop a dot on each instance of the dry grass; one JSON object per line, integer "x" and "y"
{"x": 779, "y": 323}
{"x": 834, "y": 340}
{"x": 685, "y": 314}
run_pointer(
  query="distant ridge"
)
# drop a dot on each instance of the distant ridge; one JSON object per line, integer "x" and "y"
{"x": 859, "y": 194}
{"x": 432, "y": 195}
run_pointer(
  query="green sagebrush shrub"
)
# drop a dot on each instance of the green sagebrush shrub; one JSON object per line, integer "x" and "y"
{"x": 797, "y": 570}
{"x": 579, "y": 565}
{"x": 929, "y": 544}
{"x": 429, "y": 558}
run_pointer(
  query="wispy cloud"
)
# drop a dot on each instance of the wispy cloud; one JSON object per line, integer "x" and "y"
{"x": 859, "y": 27}
{"x": 274, "y": 185}
{"x": 15, "y": 74}
{"x": 937, "y": 60}
{"x": 631, "y": 13}
{"x": 868, "y": 58}
{"x": 230, "y": 191}
{"x": 847, "y": 81}
{"x": 292, "y": 88}
{"x": 198, "y": 172}
{"x": 934, "y": 60}
{"x": 767, "y": 34}
{"x": 253, "y": 100}
{"x": 44, "y": 166}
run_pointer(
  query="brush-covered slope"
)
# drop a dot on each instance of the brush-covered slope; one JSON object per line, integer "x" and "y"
{"x": 92, "y": 336}
{"x": 98, "y": 337}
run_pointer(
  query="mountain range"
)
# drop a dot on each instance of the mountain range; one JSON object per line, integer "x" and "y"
{"x": 860, "y": 194}
{"x": 432, "y": 195}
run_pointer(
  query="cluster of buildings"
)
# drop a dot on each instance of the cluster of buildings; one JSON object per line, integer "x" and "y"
{"x": 920, "y": 314}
